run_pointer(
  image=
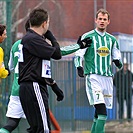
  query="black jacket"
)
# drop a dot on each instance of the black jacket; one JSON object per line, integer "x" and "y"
{"x": 123, "y": 83}
{"x": 33, "y": 51}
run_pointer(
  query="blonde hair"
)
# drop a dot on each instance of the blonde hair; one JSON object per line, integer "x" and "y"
{"x": 103, "y": 11}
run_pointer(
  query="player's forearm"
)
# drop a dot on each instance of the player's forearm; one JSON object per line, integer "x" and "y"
{"x": 69, "y": 49}
{"x": 57, "y": 54}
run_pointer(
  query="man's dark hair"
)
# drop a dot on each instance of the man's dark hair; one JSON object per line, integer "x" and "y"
{"x": 38, "y": 16}
{"x": 2, "y": 28}
{"x": 27, "y": 25}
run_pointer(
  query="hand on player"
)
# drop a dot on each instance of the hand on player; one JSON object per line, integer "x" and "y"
{"x": 50, "y": 36}
{"x": 85, "y": 42}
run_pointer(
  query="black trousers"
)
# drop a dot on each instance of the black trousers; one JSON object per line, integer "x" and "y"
{"x": 34, "y": 100}
{"x": 128, "y": 100}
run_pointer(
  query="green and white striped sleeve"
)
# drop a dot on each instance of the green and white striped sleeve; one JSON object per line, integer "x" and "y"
{"x": 69, "y": 49}
{"x": 79, "y": 55}
{"x": 116, "y": 54}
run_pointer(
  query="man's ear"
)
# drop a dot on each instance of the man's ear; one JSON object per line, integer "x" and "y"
{"x": 44, "y": 23}
{"x": 95, "y": 20}
{"x": 109, "y": 21}
{"x": 1, "y": 40}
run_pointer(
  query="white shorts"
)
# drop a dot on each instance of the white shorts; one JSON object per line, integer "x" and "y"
{"x": 14, "y": 108}
{"x": 99, "y": 89}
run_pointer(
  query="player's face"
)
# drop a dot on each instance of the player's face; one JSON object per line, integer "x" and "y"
{"x": 3, "y": 36}
{"x": 125, "y": 67}
{"x": 102, "y": 22}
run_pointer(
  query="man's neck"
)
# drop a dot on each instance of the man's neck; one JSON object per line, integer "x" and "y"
{"x": 38, "y": 30}
{"x": 99, "y": 32}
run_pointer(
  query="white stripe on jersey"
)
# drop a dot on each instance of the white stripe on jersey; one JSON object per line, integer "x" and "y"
{"x": 106, "y": 45}
{"x": 41, "y": 106}
{"x": 70, "y": 47}
{"x": 110, "y": 41}
{"x": 95, "y": 43}
{"x": 101, "y": 45}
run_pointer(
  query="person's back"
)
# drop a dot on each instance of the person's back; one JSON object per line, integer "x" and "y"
{"x": 34, "y": 58}
{"x": 13, "y": 66}
{"x": 30, "y": 69}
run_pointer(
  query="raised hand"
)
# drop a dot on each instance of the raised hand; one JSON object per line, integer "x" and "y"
{"x": 85, "y": 42}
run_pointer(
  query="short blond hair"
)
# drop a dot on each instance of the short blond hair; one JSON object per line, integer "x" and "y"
{"x": 103, "y": 11}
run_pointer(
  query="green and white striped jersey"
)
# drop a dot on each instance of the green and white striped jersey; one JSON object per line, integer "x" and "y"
{"x": 98, "y": 57}
{"x": 13, "y": 66}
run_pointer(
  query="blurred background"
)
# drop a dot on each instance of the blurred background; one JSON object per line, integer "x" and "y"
{"x": 68, "y": 20}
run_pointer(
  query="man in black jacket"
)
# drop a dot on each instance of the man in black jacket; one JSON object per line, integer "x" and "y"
{"x": 123, "y": 83}
{"x": 34, "y": 64}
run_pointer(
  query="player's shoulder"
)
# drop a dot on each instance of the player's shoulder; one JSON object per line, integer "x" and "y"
{"x": 31, "y": 37}
{"x": 88, "y": 34}
{"x": 110, "y": 35}
{"x": 16, "y": 43}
